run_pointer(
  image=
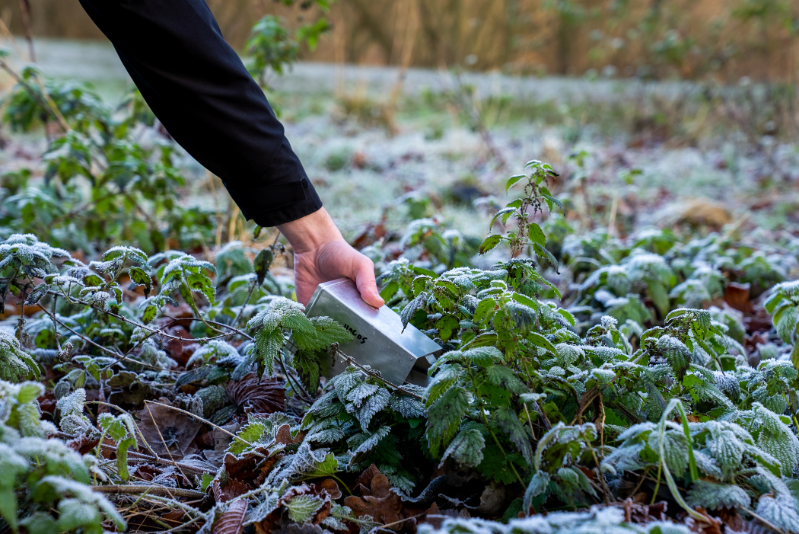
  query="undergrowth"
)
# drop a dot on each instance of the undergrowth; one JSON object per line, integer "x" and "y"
{"x": 636, "y": 384}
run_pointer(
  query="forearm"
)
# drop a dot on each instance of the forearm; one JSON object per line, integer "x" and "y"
{"x": 199, "y": 89}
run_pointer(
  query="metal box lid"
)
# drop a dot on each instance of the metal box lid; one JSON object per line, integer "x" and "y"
{"x": 380, "y": 341}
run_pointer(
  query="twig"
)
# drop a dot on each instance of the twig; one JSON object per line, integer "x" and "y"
{"x": 351, "y": 361}
{"x": 152, "y": 490}
{"x": 84, "y": 338}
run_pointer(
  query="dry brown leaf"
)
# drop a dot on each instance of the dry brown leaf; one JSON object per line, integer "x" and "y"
{"x": 82, "y": 444}
{"x": 365, "y": 479}
{"x": 176, "y": 430}
{"x": 737, "y": 296}
{"x": 331, "y": 487}
{"x": 283, "y": 435}
{"x": 258, "y": 395}
{"x": 173, "y": 516}
{"x": 230, "y": 490}
{"x": 381, "y": 504}
{"x": 232, "y": 521}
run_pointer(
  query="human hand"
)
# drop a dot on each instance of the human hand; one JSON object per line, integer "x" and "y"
{"x": 321, "y": 254}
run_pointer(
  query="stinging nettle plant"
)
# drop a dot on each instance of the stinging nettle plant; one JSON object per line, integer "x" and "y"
{"x": 528, "y": 233}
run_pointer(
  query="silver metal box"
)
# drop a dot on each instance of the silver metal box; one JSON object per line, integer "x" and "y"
{"x": 380, "y": 342}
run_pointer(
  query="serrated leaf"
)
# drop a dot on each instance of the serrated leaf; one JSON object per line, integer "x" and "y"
{"x": 537, "y": 236}
{"x": 372, "y": 406}
{"x": 303, "y": 507}
{"x": 490, "y": 243}
{"x": 140, "y": 278}
{"x": 509, "y": 423}
{"x": 444, "y": 417}
{"x": 263, "y": 261}
{"x": 513, "y": 180}
{"x": 466, "y": 448}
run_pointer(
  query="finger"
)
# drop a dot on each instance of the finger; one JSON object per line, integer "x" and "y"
{"x": 365, "y": 281}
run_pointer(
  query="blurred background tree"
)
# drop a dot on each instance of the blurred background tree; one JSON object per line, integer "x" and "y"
{"x": 654, "y": 39}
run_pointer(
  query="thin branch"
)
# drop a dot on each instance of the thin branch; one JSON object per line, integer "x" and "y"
{"x": 351, "y": 361}
{"x": 152, "y": 490}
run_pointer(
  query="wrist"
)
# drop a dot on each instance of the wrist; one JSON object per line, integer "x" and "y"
{"x": 311, "y": 232}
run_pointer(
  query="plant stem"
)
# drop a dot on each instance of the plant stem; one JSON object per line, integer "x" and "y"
{"x": 151, "y": 490}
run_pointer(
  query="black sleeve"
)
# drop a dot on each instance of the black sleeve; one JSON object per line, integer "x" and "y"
{"x": 199, "y": 89}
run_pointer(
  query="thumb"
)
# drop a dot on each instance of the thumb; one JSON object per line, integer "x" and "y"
{"x": 365, "y": 282}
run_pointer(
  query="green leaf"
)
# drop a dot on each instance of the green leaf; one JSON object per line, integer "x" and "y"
{"x": 389, "y": 291}
{"x": 513, "y": 180}
{"x": 263, "y": 261}
{"x": 521, "y": 298}
{"x": 149, "y": 314}
{"x": 467, "y": 447}
{"x": 303, "y": 507}
{"x": 326, "y": 468}
{"x": 659, "y": 295}
{"x": 8, "y": 506}
{"x": 140, "y": 278}
{"x": 508, "y": 422}
{"x": 504, "y": 211}
{"x": 122, "y": 456}
{"x": 537, "y": 236}
{"x": 484, "y": 310}
{"x": 541, "y": 251}
{"x": 540, "y": 341}
{"x": 447, "y": 325}
{"x": 489, "y": 243}
{"x": 413, "y": 306}
{"x": 444, "y": 417}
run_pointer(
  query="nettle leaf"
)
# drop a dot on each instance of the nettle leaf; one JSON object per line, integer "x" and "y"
{"x": 776, "y": 438}
{"x": 447, "y": 326}
{"x": 513, "y": 180}
{"x": 537, "y": 236}
{"x": 269, "y": 345}
{"x": 413, "y": 306}
{"x": 263, "y": 261}
{"x": 444, "y": 417}
{"x": 508, "y": 422}
{"x": 346, "y": 381}
{"x": 360, "y": 393}
{"x": 37, "y": 294}
{"x": 303, "y": 507}
{"x": 490, "y": 243}
{"x": 372, "y": 406}
{"x": 675, "y": 449}
{"x": 505, "y": 378}
{"x": 467, "y": 447}
{"x": 140, "y": 278}
{"x": 713, "y": 496}
{"x": 407, "y": 406}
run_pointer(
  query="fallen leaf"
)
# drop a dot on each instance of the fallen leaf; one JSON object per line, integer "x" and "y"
{"x": 232, "y": 521}
{"x": 283, "y": 435}
{"x": 82, "y": 444}
{"x": 331, "y": 487}
{"x": 737, "y": 296}
{"x": 230, "y": 490}
{"x": 258, "y": 395}
{"x": 175, "y": 429}
{"x": 381, "y": 504}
